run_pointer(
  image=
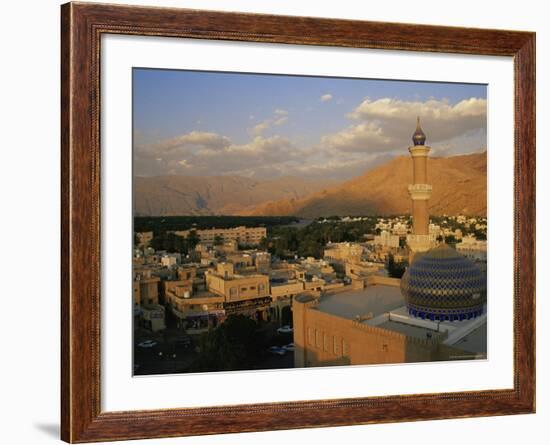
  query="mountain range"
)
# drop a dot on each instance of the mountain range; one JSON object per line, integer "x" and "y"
{"x": 459, "y": 186}
{"x": 215, "y": 195}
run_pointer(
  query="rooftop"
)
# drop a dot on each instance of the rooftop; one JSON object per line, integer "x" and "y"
{"x": 387, "y": 307}
{"x": 408, "y": 329}
{"x": 376, "y": 299}
{"x": 475, "y": 341}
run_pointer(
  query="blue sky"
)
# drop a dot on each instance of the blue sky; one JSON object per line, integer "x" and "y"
{"x": 189, "y": 122}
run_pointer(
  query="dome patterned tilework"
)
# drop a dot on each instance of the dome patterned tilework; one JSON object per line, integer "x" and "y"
{"x": 442, "y": 285}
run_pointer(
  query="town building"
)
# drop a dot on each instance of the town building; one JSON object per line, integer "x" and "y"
{"x": 144, "y": 239}
{"x": 244, "y": 294}
{"x": 282, "y": 295}
{"x": 243, "y": 235}
{"x": 196, "y": 312}
{"x": 386, "y": 239}
{"x": 147, "y": 310}
{"x": 342, "y": 252}
{"x": 434, "y": 230}
{"x": 170, "y": 259}
{"x": 152, "y": 317}
{"x": 473, "y": 248}
{"x": 145, "y": 286}
{"x": 400, "y": 229}
{"x": 360, "y": 271}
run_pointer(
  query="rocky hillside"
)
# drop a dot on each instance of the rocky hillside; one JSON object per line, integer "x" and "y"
{"x": 214, "y": 195}
{"x": 459, "y": 186}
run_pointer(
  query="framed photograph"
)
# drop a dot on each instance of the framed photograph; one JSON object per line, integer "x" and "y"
{"x": 274, "y": 222}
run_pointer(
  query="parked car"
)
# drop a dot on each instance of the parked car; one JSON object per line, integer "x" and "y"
{"x": 289, "y": 347}
{"x": 285, "y": 330}
{"x": 277, "y": 350}
{"x": 147, "y": 344}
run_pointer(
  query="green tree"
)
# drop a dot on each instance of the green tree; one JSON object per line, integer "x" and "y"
{"x": 192, "y": 239}
{"x": 450, "y": 239}
{"x": 236, "y": 344}
{"x": 264, "y": 244}
{"x": 396, "y": 269}
{"x": 480, "y": 235}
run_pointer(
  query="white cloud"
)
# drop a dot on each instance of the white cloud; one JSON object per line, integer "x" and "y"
{"x": 280, "y": 121}
{"x": 387, "y": 124}
{"x": 258, "y": 129}
{"x": 366, "y": 136}
{"x": 433, "y": 109}
{"x": 325, "y": 97}
{"x": 193, "y": 138}
{"x": 280, "y": 117}
{"x": 260, "y": 145}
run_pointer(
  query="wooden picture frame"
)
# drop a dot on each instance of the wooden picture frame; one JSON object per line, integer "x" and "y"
{"x": 82, "y": 26}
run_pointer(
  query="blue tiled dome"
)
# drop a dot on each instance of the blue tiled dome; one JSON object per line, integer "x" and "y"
{"x": 444, "y": 285}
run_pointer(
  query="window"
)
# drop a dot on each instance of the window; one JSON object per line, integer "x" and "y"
{"x": 317, "y": 338}
{"x": 336, "y": 345}
{"x": 345, "y": 348}
{"x": 310, "y": 336}
{"x": 325, "y": 342}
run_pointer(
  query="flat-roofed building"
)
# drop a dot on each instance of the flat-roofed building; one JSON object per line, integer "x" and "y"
{"x": 386, "y": 239}
{"x": 262, "y": 262}
{"x": 196, "y": 312}
{"x": 341, "y": 252}
{"x": 241, "y": 260}
{"x": 282, "y": 295}
{"x": 473, "y": 248}
{"x": 144, "y": 238}
{"x": 246, "y": 294}
{"x": 243, "y": 235}
{"x": 153, "y": 317}
{"x": 187, "y": 272}
{"x": 145, "y": 287}
{"x": 170, "y": 259}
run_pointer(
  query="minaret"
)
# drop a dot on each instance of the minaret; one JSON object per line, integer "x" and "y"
{"x": 420, "y": 191}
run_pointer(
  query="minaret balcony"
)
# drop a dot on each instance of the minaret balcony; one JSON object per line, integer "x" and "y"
{"x": 420, "y": 191}
{"x": 419, "y": 150}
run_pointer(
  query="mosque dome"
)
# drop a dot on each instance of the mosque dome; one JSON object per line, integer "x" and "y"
{"x": 418, "y": 136}
{"x": 442, "y": 284}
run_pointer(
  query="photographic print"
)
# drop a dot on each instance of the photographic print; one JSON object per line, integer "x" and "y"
{"x": 284, "y": 221}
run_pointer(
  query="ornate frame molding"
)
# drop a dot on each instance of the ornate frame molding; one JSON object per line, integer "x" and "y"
{"x": 82, "y": 25}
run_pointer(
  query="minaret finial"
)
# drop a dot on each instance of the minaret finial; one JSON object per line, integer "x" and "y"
{"x": 418, "y": 137}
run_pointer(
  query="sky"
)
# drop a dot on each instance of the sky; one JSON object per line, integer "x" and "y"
{"x": 268, "y": 126}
